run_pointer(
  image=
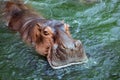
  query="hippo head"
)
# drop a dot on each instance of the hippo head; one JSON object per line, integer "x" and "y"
{"x": 55, "y": 42}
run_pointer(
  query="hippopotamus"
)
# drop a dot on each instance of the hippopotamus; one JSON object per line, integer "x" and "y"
{"x": 50, "y": 38}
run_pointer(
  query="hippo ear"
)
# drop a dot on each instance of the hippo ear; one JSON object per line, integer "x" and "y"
{"x": 62, "y": 21}
{"x": 67, "y": 29}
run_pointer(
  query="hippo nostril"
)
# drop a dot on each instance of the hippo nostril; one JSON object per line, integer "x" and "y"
{"x": 63, "y": 46}
{"x": 47, "y": 47}
{"x": 72, "y": 50}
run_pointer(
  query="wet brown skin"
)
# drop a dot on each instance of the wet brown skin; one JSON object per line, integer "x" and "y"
{"x": 50, "y": 38}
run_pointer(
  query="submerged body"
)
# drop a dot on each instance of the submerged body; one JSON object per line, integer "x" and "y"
{"x": 50, "y": 38}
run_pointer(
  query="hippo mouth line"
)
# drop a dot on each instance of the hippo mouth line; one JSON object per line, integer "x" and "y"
{"x": 61, "y": 57}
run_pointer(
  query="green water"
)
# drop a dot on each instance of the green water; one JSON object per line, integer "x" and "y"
{"x": 96, "y": 24}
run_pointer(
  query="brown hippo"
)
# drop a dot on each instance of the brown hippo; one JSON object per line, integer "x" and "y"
{"x": 50, "y": 38}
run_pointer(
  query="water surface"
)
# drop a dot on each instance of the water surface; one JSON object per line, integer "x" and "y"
{"x": 96, "y": 24}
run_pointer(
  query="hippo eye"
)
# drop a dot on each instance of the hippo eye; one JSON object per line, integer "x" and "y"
{"x": 46, "y": 33}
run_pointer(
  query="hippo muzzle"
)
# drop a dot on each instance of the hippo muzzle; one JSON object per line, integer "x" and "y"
{"x": 65, "y": 50}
